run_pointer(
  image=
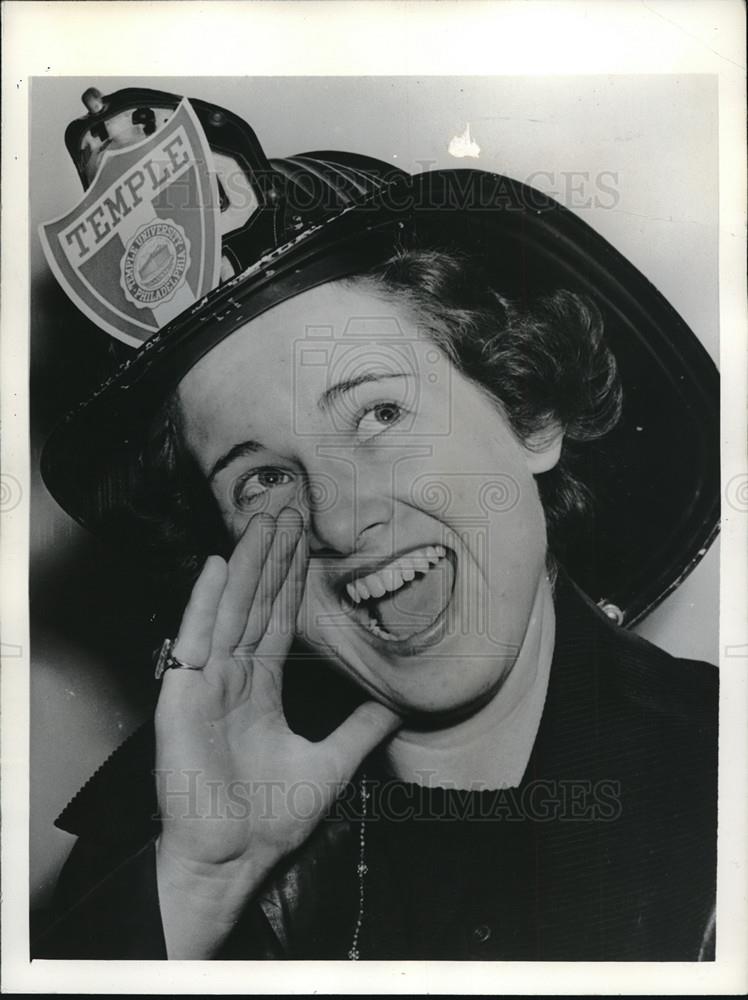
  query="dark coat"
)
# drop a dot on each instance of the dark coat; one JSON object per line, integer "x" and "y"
{"x": 606, "y": 851}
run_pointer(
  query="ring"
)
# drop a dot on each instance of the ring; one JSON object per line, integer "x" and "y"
{"x": 168, "y": 661}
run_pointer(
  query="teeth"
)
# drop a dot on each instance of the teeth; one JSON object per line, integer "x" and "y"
{"x": 377, "y": 630}
{"x": 393, "y": 576}
{"x": 390, "y": 578}
{"x": 375, "y": 585}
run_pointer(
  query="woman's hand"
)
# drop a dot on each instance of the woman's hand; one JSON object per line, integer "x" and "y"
{"x": 237, "y": 788}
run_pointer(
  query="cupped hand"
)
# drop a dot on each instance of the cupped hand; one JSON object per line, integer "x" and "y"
{"x": 237, "y": 788}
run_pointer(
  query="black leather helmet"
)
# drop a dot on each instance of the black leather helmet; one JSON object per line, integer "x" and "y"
{"x": 287, "y": 225}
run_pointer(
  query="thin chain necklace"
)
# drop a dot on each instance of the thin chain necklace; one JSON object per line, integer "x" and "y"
{"x": 361, "y": 870}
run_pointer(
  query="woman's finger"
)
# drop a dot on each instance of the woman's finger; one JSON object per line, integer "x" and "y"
{"x": 362, "y": 731}
{"x": 195, "y": 637}
{"x": 275, "y": 572}
{"x": 245, "y": 573}
{"x": 270, "y": 653}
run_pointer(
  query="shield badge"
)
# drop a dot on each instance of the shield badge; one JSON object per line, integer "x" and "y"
{"x": 144, "y": 243}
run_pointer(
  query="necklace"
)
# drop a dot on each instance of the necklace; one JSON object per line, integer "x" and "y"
{"x": 361, "y": 870}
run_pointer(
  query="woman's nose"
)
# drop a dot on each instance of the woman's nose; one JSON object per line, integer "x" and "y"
{"x": 342, "y": 511}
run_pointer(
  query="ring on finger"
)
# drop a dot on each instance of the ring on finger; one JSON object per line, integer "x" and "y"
{"x": 168, "y": 661}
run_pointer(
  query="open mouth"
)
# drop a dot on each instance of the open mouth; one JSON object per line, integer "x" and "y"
{"x": 403, "y": 604}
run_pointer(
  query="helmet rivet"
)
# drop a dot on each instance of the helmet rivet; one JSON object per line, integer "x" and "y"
{"x": 92, "y": 100}
{"x": 611, "y": 611}
{"x": 217, "y": 118}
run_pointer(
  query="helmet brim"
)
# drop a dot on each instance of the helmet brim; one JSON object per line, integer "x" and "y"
{"x": 654, "y": 478}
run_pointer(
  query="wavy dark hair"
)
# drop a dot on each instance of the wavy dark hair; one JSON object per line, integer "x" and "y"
{"x": 544, "y": 362}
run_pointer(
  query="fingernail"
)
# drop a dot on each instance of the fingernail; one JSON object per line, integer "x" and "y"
{"x": 263, "y": 523}
{"x": 261, "y": 520}
{"x": 289, "y": 515}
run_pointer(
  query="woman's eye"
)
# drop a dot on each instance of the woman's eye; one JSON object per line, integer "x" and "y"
{"x": 253, "y": 485}
{"x": 378, "y": 418}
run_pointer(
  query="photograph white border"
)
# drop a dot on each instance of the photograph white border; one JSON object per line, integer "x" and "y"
{"x": 532, "y": 37}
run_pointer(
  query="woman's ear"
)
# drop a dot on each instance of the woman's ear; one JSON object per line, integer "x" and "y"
{"x": 543, "y": 449}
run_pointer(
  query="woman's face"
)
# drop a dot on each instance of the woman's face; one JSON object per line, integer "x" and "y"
{"x": 425, "y": 529}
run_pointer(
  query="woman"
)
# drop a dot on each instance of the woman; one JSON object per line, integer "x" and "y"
{"x": 367, "y": 438}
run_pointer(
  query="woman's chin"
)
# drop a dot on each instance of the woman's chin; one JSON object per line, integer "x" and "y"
{"x": 428, "y": 691}
{"x": 439, "y": 712}
{"x": 432, "y": 678}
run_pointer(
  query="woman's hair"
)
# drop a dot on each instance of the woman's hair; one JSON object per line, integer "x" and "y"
{"x": 545, "y": 364}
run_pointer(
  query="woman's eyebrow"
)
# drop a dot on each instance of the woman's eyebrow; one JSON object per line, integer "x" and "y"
{"x": 240, "y": 450}
{"x": 250, "y": 447}
{"x": 346, "y": 385}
